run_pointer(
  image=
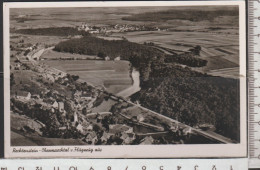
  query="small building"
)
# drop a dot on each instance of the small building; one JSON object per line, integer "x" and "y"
{"x": 63, "y": 128}
{"x": 61, "y": 106}
{"x": 89, "y": 127}
{"x": 81, "y": 129}
{"x": 23, "y": 95}
{"x": 78, "y": 106}
{"x": 105, "y": 137}
{"x": 117, "y": 58}
{"x": 35, "y": 96}
{"x": 148, "y": 140}
{"x": 17, "y": 66}
{"x": 91, "y": 138}
{"x": 100, "y": 115}
{"x": 120, "y": 128}
{"x": 91, "y": 104}
{"x": 140, "y": 118}
{"x": 62, "y": 74}
{"x": 75, "y": 117}
{"x": 50, "y": 77}
{"x": 77, "y": 94}
{"x": 187, "y": 131}
{"x": 107, "y": 58}
{"x": 55, "y": 104}
{"x": 86, "y": 96}
{"x": 128, "y": 138}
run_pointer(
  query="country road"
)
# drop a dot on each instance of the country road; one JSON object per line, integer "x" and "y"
{"x": 212, "y": 135}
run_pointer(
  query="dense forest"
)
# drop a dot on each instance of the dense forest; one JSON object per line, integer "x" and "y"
{"x": 191, "y": 15}
{"x": 91, "y": 45}
{"x": 192, "y": 98}
{"x": 188, "y": 58}
{"x": 52, "y": 31}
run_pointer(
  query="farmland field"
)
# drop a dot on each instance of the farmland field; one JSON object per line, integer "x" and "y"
{"x": 113, "y": 75}
{"x": 220, "y": 50}
{"x": 20, "y": 140}
{"x": 61, "y": 17}
{"x": 50, "y": 54}
{"x": 33, "y": 39}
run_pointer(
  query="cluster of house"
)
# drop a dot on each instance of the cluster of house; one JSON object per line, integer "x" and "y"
{"x": 52, "y": 74}
{"x": 115, "y": 28}
{"x": 127, "y": 27}
{"x": 116, "y": 132}
{"x": 86, "y": 98}
{"x": 23, "y": 95}
{"x": 180, "y": 131}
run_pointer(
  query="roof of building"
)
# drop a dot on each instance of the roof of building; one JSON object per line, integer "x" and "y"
{"x": 86, "y": 95}
{"x": 147, "y": 140}
{"x": 106, "y": 136}
{"x": 117, "y": 128}
{"x": 91, "y": 135}
{"x": 23, "y": 93}
{"x": 61, "y": 103}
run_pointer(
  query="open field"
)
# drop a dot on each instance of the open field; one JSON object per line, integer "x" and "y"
{"x": 113, "y": 75}
{"x": 61, "y": 17}
{"x": 19, "y": 121}
{"x": 217, "y": 36}
{"x": 34, "y": 39}
{"x": 51, "y": 55}
{"x": 20, "y": 140}
{"x": 220, "y": 50}
{"x": 105, "y": 106}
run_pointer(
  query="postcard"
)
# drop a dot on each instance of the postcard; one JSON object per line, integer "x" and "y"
{"x": 125, "y": 79}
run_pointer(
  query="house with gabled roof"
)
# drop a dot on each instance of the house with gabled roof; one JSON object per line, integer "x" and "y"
{"x": 23, "y": 95}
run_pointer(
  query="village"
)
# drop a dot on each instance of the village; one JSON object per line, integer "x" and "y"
{"x": 116, "y": 28}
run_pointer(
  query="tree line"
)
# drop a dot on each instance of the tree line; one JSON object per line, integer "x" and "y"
{"x": 52, "y": 31}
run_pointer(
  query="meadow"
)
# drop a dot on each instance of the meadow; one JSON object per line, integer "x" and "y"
{"x": 21, "y": 140}
{"x": 113, "y": 75}
{"x": 53, "y": 55}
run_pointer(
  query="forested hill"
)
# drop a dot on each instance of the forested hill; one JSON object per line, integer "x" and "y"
{"x": 192, "y": 98}
{"x": 91, "y": 45}
{"x": 51, "y": 31}
{"x": 138, "y": 54}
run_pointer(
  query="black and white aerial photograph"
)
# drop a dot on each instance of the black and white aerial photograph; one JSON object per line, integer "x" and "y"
{"x": 137, "y": 75}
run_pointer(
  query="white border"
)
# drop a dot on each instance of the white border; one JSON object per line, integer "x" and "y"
{"x": 135, "y": 151}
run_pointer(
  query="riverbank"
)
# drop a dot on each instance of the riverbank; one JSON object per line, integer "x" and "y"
{"x": 135, "y": 75}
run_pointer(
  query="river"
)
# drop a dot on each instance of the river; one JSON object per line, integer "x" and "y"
{"x": 135, "y": 87}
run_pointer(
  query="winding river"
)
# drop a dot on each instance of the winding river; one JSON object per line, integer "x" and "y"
{"x": 135, "y": 87}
